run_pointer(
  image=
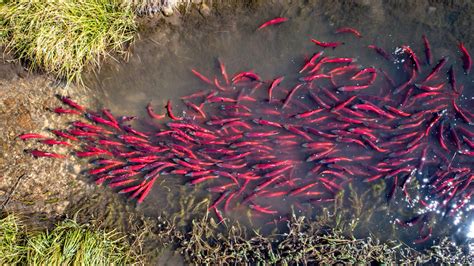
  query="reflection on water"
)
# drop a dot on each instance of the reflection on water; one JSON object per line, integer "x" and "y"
{"x": 160, "y": 70}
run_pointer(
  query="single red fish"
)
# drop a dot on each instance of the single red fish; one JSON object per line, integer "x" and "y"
{"x": 60, "y": 110}
{"x": 92, "y": 153}
{"x": 63, "y": 135}
{"x": 131, "y": 139}
{"x": 329, "y": 93}
{"x": 267, "y": 123}
{"x": 337, "y": 60}
{"x": 274, "y": 21}
{"x": 102, "y": 169}
{"x": 221, "y": 122}
{"x": 221, "y": 99}
{"x": 202, "y": 179}
{"x": 343, "y": 104}
{"x": 452, "y": 79}
{"x": 290, "y": 95}
{"x": 311, "y": 61}
{"x": 295, "y": 130}
{"x": 327, "y": 44}
{"x": 132, "y": 188}
{"x": 169, "y": 109}
{"x": 427, "y": 45}
{"x": 147, "y": 190}
{"x": 55, "y": 142}
{"x": 81, "y": 133}
{"x": 102, "y": 121}
{"x": 246, "y": 74}
{"x": 308, "y": 113}
{"x": 373, "y": 145}
{"x": 261, "y": 209}
{"x": 109, "y": 115}
{"x": 67, "y": 100}
{"x": 349, "y": 30}
{"x": 261, "y": 134}
{"x": 413, "y": 56}
{"x": 218, "y": 85}
{"x": 120, "y": 183}
{"x": 436, "y": 69}
{"x": 90, "y": 127}
{"x": 231, "y": 166}
{"x": 381, "y": 52}
{"x": 353, "y": 88}
{"x": 131, "y": 130}
{"x": 317, "y": 145}
{"x": 364, "y": 132}
{"x": 32, "y": 136}
{"x": 462, "y": 113}
{"x": 278, "y": 171}
{"x": 219, "y": 200}
{"x": 273, "y": 85}
{"x": 408, "y": 82}
{"x": 223, "y": 71}
{"x": 367, "y": 106}
{"x": 201, "y": 76}
{"x": 195, "y": 95}
{"x": 397, "y": 111}
{"x": 362, "y": 72}
{"x": 466, "y": 57}
{"x": 315, "y": 77}
{"x": 430, "y": 88}
{"x": 335, "y": 160}
{"x": 302, "y": 189}
{"x": 317, "y": 156}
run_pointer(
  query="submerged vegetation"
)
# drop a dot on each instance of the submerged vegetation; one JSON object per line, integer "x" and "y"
{"x": 67, "y": 244}
{"x": 305, "y": 242}
{"x": 62, "y": 37}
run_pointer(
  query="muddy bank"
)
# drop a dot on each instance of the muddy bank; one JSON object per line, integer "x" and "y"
{"x": 29, "y": 185}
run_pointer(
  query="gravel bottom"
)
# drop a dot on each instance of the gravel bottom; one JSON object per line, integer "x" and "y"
{"x": 31, "y": 185}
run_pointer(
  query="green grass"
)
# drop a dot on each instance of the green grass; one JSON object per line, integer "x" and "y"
{"x": 12, "y": 248}
{"x": 62, "y": 37}
{"x": 67, "y": 244}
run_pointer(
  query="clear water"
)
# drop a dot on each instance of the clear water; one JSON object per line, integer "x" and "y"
{"x": 159, "y": 69}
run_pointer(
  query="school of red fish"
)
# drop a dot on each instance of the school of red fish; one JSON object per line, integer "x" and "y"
{"x": 250, "y": 139}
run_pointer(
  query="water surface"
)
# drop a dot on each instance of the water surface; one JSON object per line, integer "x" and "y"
{"x": 159, "y": 69}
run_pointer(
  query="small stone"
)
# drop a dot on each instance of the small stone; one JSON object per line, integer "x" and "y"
{"x": 167, "y": 11}
{"x": 76, "y": 169}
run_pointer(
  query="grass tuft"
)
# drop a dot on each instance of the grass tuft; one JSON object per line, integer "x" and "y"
{"x": 62, "y": 37}
{"x": 12, "y": 250}
{"x": 69, "y": 243}
{"x": 72, "y": 244}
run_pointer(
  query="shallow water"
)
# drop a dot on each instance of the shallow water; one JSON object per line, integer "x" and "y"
{"x": 160, "y": 70}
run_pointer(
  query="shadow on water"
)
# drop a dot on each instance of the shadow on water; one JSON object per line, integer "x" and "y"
{"x": 159, "y": 69}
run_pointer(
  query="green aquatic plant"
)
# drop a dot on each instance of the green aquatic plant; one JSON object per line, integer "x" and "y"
{"x": 63, "y": 37}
